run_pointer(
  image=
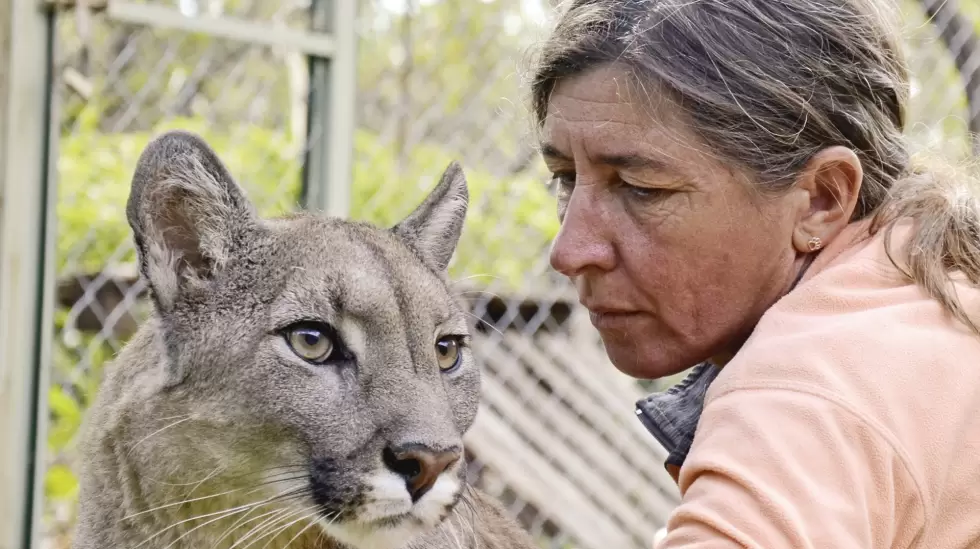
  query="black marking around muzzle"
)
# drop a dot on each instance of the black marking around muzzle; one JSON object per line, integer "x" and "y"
{"x": 337, "y": 495}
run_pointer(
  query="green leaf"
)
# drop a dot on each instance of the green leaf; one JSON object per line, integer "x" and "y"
{"x": 66, "y": 417}
{"x": 60, "y": 483}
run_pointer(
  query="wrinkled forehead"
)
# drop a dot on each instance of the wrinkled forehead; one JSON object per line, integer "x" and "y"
{"x": 605, "y": 113}
{"x": 335, "y": 268}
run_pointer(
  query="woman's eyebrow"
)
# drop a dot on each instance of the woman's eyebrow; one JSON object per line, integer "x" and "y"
{"x": 551, "y": 152}
{"x": 632, "y": 161}
{"x": 625, "y": 161}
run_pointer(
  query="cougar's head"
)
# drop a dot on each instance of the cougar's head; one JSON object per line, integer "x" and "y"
{"x": 320, "y": 364}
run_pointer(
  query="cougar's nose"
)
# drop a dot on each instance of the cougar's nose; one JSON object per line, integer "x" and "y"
{"x": 419, "y": 466}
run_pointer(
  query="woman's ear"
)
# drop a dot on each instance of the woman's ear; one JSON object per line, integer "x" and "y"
{"x": 832, "y": 179}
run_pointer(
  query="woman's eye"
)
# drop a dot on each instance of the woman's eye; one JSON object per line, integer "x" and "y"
{"x": 642, "y": 192}
{"x": 310, "y": 342}
{"x": 563, "y": 181}
{"x": 448, "y": 354}
{"x": 645, "y": 193}
{"x": 563, "y": 184}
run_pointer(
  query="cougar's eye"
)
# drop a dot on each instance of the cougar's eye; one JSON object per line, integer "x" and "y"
{"x": 310, "y": 342}
{"x": 447, "y": 351}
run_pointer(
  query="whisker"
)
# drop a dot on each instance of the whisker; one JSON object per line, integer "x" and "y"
{"x": 488, "y": 325}
{"x": 198, "y": 527}
{"x": 278, "y": 470}
{"x": 287, "y": 494}
{"x": 226, "y": 512}
{"x": 464, "y": 523}
{"x": 289, "y": 525}
{"x": 332, "y": 519}
{"x": 251, "y": 489}
{"x": 223, "y": 514}
{"x": 471, "y": 277}
{"x": 266, "y": 527}
{"x": 127, "y": 517}
{"x": 319, "y": 537}
{"x": 298, "y": 534}
{"x": 282, "y": 498}
{"x": 168, "y": 418}
{"x": 259, "y": 486}
{"x": 158, "y": 431}
{"x": 193, "y": 483}
{"x": 294, "y": 468}
{"x": 451, "y": 530}
{"x": 286, "y": 469}
{"x": 480, "y": 293}
{"x": 241, "y": 522}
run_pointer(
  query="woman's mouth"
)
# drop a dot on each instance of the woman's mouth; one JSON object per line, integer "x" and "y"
{"x": 613, "y": 320}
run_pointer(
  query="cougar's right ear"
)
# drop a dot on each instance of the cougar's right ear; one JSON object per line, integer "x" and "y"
{"x": 186, "y": 213}
{"x": 433, "y": 229}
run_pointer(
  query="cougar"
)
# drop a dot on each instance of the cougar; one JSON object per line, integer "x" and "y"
{"x": 302, "y": 382}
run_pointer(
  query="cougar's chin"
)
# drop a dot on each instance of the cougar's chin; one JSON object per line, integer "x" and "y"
{"x": 388, "y": 519}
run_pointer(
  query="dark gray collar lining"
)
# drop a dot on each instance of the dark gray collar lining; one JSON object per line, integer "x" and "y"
{"x": 672, "y": 416}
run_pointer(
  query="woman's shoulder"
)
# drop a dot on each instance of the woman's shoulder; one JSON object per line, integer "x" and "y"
{"x": 860, "y": 317}
{"x": 859, "y": 326}
{"x": 863, "y": 337}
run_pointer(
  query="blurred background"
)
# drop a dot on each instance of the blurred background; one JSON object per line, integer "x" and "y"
{"x": 354, "y": 108}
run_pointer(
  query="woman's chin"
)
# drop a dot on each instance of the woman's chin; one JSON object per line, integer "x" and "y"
{"x": 644, "y": 361}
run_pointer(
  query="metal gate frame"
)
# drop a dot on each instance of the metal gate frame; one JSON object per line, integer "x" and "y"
{"x": 332, "y": 52}
{"x": 28, "y": 156}
{"x": 26, "y": 278}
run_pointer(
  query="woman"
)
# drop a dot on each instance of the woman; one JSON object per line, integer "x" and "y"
{"x": 735, "y": 192}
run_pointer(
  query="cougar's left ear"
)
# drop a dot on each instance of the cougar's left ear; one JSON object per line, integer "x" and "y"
{"x": 434, "y": 228}
{"x": 186, "y": 213}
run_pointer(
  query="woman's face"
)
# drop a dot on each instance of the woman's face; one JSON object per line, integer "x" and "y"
{"x": 670, "y": 250}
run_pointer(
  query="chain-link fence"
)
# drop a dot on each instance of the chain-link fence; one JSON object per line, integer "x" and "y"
{"x": 556, "y": 438}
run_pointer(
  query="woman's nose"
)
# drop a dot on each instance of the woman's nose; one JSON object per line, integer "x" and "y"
{"x": 582, "y": 243}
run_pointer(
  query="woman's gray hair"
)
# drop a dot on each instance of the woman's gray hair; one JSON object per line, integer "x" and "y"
{"x": 769, "y": 83}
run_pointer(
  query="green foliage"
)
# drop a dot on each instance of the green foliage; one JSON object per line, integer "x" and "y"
{"x": 509, "y": 223}
{"x": 95, "y": 170}
{"x": 937, "y": 110}
{"x": 60, "y": 483}
{"x": 66, "y": 409}
{"x": 79, "y": 361}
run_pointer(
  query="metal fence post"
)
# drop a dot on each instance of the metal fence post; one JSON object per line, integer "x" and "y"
{"x": 327, "y": 172}
{"x": 26, "y": 287}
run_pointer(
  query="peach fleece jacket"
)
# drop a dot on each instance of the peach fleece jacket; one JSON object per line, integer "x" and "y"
{"x": 849, "y": 419}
